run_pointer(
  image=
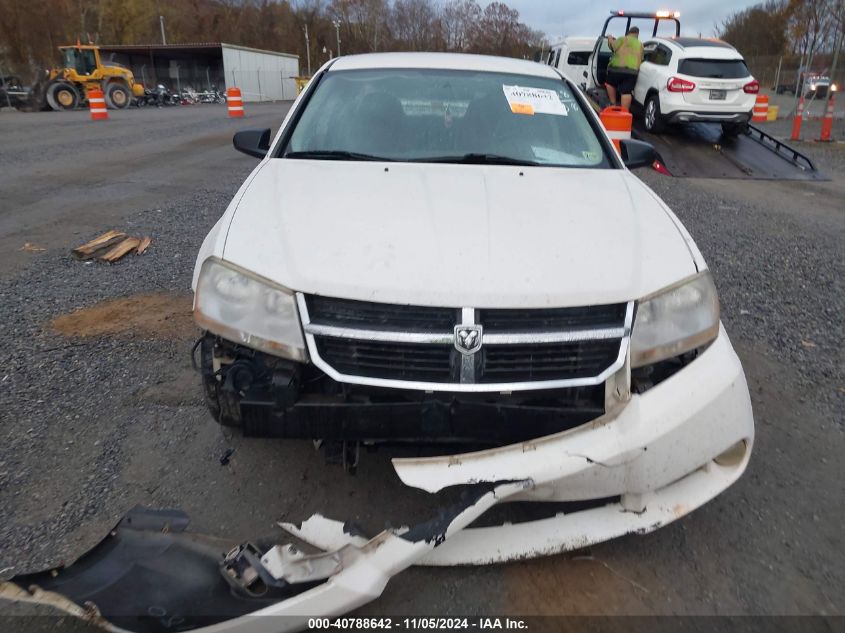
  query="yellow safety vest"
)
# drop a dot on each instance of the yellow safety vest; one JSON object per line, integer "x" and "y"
{"x": 627, "y": 53}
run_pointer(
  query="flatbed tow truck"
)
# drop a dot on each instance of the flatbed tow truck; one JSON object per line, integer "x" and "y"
{"x": 698, "y": 150}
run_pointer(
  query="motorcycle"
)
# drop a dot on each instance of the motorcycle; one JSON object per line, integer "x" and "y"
{"x": 212, "y": 96}
{"x": 158, "y": 96}
{"x": 188, "y": 96}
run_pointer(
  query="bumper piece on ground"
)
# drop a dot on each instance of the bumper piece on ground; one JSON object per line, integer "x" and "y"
{"x": 150, "y": 576}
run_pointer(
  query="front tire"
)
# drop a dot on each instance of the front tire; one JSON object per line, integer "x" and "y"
{"x": 62, "y": 96}
{"x": 652, "y": 118}
{"x": 223, "y": 406}
{"x": 118, "y": 96}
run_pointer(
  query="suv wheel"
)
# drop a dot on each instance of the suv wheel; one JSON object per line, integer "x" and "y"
{"x": 652, "y": 119}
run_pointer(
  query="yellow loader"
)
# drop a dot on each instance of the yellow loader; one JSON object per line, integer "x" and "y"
{"x": 82, "y": 71}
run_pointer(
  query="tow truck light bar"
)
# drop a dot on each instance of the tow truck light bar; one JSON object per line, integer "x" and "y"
{"x": 657, "y": 14}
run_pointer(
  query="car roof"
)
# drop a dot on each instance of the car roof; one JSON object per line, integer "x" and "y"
{"x": 445, "y": 61}
{"x": 697, "y": 42}
{"x": 705, "y": 48}
{"x": 576, "y": 41}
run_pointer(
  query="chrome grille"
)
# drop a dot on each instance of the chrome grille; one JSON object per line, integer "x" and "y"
{"x": 418, "y": 347}
{"x": 364, "y": 314}
{"x": 547, "y": 319}
{"x": 515, "y": 363}
{"x": 401, "y": 361}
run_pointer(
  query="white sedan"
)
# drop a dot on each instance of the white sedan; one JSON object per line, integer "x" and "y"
{"x": 440, "y": 248}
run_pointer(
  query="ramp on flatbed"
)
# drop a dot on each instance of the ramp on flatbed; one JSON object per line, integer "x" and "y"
{"x": 699, "y": 150}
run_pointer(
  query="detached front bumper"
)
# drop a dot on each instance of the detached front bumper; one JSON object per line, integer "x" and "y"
{"x": 662, "y": 454}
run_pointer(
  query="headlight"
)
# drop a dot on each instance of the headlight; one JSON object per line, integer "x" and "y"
{"x": 834, "y": 88}
{"x": 675, "y": 320}
{"x": 245, "y": 308}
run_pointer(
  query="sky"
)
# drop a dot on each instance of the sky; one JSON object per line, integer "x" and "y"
{"x": 558, "y": 18}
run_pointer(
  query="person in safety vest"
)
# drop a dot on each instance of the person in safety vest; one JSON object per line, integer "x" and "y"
{"x": 624, "y": 66}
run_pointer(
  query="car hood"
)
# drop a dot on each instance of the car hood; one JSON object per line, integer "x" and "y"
{"x": 456, "y": 235}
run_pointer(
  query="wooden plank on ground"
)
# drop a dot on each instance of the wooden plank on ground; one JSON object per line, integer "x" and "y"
{"x": 144, "y": 245}
{"x": 120, "y": 249}
{"x": 92, "y": 249}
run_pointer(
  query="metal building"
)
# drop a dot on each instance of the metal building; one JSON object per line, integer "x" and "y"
{"x": 261, "y": 75}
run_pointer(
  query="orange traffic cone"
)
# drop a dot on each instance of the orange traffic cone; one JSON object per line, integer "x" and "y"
{"x": 97, "y": 105}
{"x": 761, "y": 109}
{"x": 236, "y": 104}
{"x": 618, "y": 122}
{"x": 827, "y": 122}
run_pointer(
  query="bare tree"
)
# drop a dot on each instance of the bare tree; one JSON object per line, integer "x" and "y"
{"x": 757, "y": 30}
{"x": 365, "y": 21}
{"x": 415, "y": 25}
{"x": 458, "y": 18}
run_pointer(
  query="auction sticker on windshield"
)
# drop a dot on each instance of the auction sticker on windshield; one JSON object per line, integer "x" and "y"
{"x": 534, "y": 101}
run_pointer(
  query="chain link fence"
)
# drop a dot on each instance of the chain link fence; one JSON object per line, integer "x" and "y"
{"x": 255, "y": 85}
{"x": 781, "y": 73}
{"x": 182, "y": 76}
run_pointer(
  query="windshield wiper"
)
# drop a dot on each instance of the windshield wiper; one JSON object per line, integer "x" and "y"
{"x": 475, "y": 159}
{"x": 335, "y": 155}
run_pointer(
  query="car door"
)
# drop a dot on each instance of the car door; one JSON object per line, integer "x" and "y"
{"x": 648, "y": 71}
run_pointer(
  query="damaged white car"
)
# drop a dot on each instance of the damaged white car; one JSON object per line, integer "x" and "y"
{"x": 440, "y": 249}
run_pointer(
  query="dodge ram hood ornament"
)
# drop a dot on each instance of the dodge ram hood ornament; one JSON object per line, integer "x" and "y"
{"x": 468, "y": 338}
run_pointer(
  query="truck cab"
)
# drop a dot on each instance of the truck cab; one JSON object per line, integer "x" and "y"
{"x": 571, "y": 56}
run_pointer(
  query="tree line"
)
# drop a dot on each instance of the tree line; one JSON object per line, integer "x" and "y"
{"x": 800, "y": 28}
{"x": 30, "y": 31}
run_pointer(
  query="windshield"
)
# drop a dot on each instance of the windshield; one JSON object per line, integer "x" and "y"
{"x": 714, "y": 68}
{"x": 81, "y": 60}
{"x": 431, "y": 115}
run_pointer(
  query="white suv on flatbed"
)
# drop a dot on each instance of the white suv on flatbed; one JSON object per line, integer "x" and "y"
{"x": 684, "y": 79}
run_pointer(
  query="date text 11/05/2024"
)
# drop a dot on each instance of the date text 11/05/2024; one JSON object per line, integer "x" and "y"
{"x": 419, "y": 623}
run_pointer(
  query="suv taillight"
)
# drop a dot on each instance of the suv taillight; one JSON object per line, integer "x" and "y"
{"x": 676, "y": 84}
{"x": 751, "y": 88}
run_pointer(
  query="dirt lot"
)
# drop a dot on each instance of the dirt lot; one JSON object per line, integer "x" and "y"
{"x": 101, "y": 411}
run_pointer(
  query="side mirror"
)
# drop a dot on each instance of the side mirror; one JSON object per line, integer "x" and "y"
{"x": 252, "y": 142}
{"x": 637, "y": 153}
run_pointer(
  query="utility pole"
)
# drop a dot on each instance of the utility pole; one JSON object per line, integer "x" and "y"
{"x": 337, "y": 33}
{"x": 308, "y": 49}
{"x": 837, "y": 47}
{"x": 161, "y": 23}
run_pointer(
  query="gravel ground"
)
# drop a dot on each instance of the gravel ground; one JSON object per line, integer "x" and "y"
{"x": 92, "y": 426}
{"x": 53, "y": 387}
{"x": 781, "y": 279}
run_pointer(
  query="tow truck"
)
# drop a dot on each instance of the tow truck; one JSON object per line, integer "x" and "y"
{"x": 696, "y": 149}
